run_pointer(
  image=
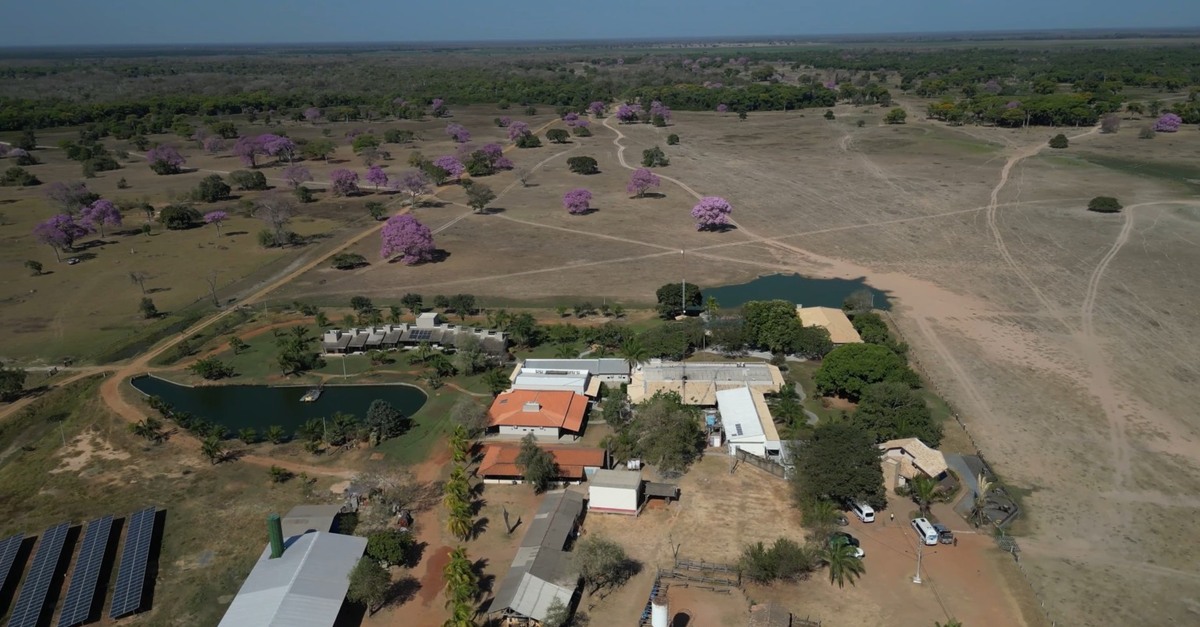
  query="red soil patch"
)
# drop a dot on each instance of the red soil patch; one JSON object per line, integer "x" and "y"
{"x": 431, "y": 582}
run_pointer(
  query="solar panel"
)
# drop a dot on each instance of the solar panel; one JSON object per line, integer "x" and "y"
{"x": 131, "y": 574}
{"x": 82, "y": 590}
{"x": 421, "y": 334}
{"x": 32, "y": 597}
{"x": 738, "y": 427}
{"x": 9, "y": 547}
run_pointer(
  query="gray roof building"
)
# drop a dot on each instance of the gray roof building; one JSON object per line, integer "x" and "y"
{"x": 302, "y": 519}
{"x": 543, "y": 571}
{"x": 604, "y": 366}
{"x": 305, "y": 587}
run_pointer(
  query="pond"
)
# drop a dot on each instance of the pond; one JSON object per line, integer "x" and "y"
{"x": 261, "y": 406}
{"x": 794, "y": 288}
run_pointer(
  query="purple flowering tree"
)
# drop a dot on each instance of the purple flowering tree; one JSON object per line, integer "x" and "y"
{"x": 277, "y": 146}
{"x": 641, "y": 181}
{"x": 215, "y": 218}
{"x": 577, "y": 201}
{"x": 312, "y": 114}
{"x": 503, "y": 163}
{"x": 597, "y": 108}
{"x": 100, "y": 213}
{"x": 660, "y": 110}
{"x": 503, "y": 121}
{"x": 343, "y": 182}
{"x": 437, "y": 108}
{"x": 248, "y": 150}
{"x": 59, "y": 233}
{"x": 722, "y": 108}
{"x": 458, "y": 133}
{"x": 1168, "y": 123}
{"x": 296, "y": 175}
{"x": 376, "y": 176}
{"x": 711, "y": 213}
{"x": 414, "y": 183}
{"x": 214, "y": 144}
{"x": 492, "y": 151}
{"x": 453, "y": 167}
{"x": 165, "y": 160}
{"x": 516, "y": 130}
{"x": 571, "y": 119}
{"x": 629, "y": 112}
{"x": 403, "y": 235}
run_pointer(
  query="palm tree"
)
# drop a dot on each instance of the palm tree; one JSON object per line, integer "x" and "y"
{"x": 422, "y": 352}
{"x": 149, "y": 428}
{"x": 634, "y": 351}
{"x": 566, "y": 351}
{"x": 275, "y": 434}
{"x": 247, "y": 435}
{"x": 923, "y": 491}
{"x": 459, "y": 444}
{"x": 843, "y": 566}
{"x": 821, "y": 514}
{"x": 462, "y": 615}
{"x": 460, "y": 523}
{"x": 978, "y": 515}
{"x": 212, "y": 449}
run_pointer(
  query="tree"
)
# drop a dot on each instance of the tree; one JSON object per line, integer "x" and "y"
{"x": 179, "y": 217}
{"x": 536, "y": 464}
{"x": 771, "y": 324}
{"x": 470, "y": 415}
{"x": 671, "y": 300}
{"x": 364, "y": 142}
{"x": 247, "y": 180}
{"x": 275, "y": 434}
{"x": 19, "y": 177}
{"x": 348, "y": 261}
{"x": 924, "y": 489}
{"x": 1168, "y": 123}
{"x": 462, "y": 304}
{"x": 641, "y": 181}
{"x": 149, "y": 428}
{"x": 633, "y": 350}
{"x": 895, "y": 116}
{"x": 478, "y": 196}
{"x": 319, "y": 148}
{"x": 1104, "y": 204}
{"x": 12, "y": 383}
{"x": 34, "y": 267}
{"x": 165, "y": 160}
{"x": 654, "y": 157}
{"x": 496, "y": 380}
{"x": 27, "y": 140}
{"x": 711, "y": 213}
{"x": 59, "y": 232}
{"x": 248, "y": 436}
{"x": 376, "y": 176}
{"x": 558, "y": 135}
{"x": 453, "y": 167}
{"x": 672, "y": 139}
{"x": 583, "y": 165}
{"x": 276, "y": 210}
{"x": 391, "y": 547}
{"x": 666, "y": 433}
{"x": 215, "y": 218}
{"x": 385, "y": 420}
{"x": 212, "y": 369}
{"x": 212, "y": 188}
{"x": 829, "y": 114}
{"x": 603, "y": 563}
{"x": 296, "y": 175}
{"x": 146, "y": 306}
{"x": 840, "y": 462}
{"x": 343, "y": 182}
{"x": 849, "y": 369}
{"x": 577, "y": 201}
{"x": 978, "y": 514}
{"x": 1110, "y": 123}
{"x": 950, "y": 623}
{"x": 369, "y": 584}
{"x": 891, "y": 410}
{"x": 296, "y": 352}
{"x": 842, "y": 563}
{"x": 1059, "y": 141}
{"x": 376, "y": 209}
{"x": 237, "y": 345}
{"x": 462, "y": 584}
{"x": 414, "y": 183}
{"x": 460, "y": 523}
{"x": 784, "y": 559}
{"x": 70, "y": 197}
{"x": 404, "y": 235}
{"x": 558, "y": 614}
{"x": 212, "y": 449}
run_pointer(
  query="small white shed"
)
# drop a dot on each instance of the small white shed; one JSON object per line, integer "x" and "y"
{"x": 615, "y": 492}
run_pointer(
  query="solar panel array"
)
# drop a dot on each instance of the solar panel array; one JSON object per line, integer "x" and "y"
{"x": 9, "y": 547}
{"x": 131, "y": 574}
{"x": 82, "y": 590}
{"x": 32, "y": 597}
{"x": 421, "y": 335}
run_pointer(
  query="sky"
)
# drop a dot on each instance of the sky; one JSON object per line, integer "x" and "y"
{"x": 87, "y": 22}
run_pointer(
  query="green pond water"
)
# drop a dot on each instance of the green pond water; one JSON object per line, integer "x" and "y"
{"x": 794, "y": 288}
{"x": 261, "y": 406}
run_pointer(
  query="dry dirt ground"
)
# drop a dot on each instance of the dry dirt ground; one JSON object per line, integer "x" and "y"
{"x": 1064, "y": 338}
{"x": 719, "y": 513}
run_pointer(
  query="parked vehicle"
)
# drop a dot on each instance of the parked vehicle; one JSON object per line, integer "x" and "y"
{"x": 945, "y": 536}
{"x": 73, "y": 260}
{"x": 865, "y": 512}
{"x": 925, "y": 531}
{"x": 844, "y": 538}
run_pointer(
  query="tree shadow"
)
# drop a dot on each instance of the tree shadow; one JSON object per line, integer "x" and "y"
{"x": 477, "y": 506}
{"x": 414, "y": 555}
{"x": 479, "y": 527}
{"x": 403, "y": 590}
{"x": 588, "y": 212}
{"x": 437, "y": 204}
{"x": 155, "y": 290}
{"x": 232, "y": 233}
{"x": 486, "y": 581}
{"x": 493, "y": 210}
{"x": 655, "y": 195}
{"x": 84, "y": 256}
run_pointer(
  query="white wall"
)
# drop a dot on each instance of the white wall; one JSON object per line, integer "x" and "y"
{"x": 541, "y": 432}
{"x": 619, "y": 499}
{"x": 756, "y": 448}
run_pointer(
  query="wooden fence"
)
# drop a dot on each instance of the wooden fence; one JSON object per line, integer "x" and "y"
{"x": 762, "y": 463}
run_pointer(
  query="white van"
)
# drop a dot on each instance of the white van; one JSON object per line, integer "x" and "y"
{"x": 864, "y": 512}
{"x": 925, "y": 531}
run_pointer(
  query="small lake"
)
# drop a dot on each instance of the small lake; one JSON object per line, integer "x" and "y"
{"x": 261, "y": 406}
{"x": 793, "y": 288}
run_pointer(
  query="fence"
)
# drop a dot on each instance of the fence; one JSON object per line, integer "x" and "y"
{"x": 762, "y": 463}
{"x": 1007, "y": 540}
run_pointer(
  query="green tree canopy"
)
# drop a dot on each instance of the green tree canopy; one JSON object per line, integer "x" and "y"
{"x": 369, "y": 584}
{"x": 385, "y": 420}
{"x": 839, "y": 461}
{"x": 390, "y": 546}
{"x": 603, "y": 563}
{"x": 537, "y": 464}
{"x": 849, "y": 369}
{"x": 891, "y": 410}
{"x": 671, "y": 302}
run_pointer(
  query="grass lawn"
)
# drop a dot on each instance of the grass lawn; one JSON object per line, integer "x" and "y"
{"x": 214, "y": 515}
{"x": 430, "y": 425}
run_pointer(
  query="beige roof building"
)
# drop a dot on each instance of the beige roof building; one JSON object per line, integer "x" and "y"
{"x": 914, "y": 457}
{"x": 841, "y": 330}
{"x": 698, "y": 382}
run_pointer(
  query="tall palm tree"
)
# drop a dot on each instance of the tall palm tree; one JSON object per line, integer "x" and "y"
{"x": 460, "y": 523}
{"x": 821, "y": 514}
{"x": 634, "y": 351}
{"x": 566, "y": 351}
{"x": 212, "y": 449}
{"x": 422, "y": 352}
{"x": 462, "y": 615}
{"x": 843, "y": 566}
{"x": 978, "y": 515}
{"x": 460, "y": 445}
{"x": 923, "y": 491}
{"x": 462, "y": 585}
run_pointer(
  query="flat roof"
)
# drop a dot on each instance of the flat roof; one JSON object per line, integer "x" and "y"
{"x": 739, "y": 416}
{"x": 599, "y": 365}
{"x": 627, "y": 479}
{"x": 305, "y": 587}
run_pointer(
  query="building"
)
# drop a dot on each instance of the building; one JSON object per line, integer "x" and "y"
{"x": 606, "y": 369}
{"x": 747, "y": 423}
{"x": 841, "y": 330}
{"x": 615, "y": 492}
{"x": 404, "y": 335}
{"x": 577, "y": 381}
{"x": 302, "y": 519}
{"x": 698, "y": 382}
{"x": 543, "y": 570}
{"x": 908, "y": 458}
{"x": 304, "y": 587}
{"x": 575, "y": 463}
{"x": 554, "y": 413}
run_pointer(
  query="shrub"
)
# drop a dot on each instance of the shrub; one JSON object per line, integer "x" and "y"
{"x": 179, "y": 217}
{"x": 829, "y": 114}
{"x": 1104, "y": 204}
{"x": 348, "y": 261}
{"x": 304, "y": 194}
{"x": 583, "y": 165}
{"x": 895, "y": 116}
{"x": 582, "y": 131}
{"x": 672, "y": 139}
{"x": 654, "y": 157}
{"x": 557, "y": 135}
{"x": 19, "y": 177}
{"x": 528, "y": 140}
{"x": 1059, "y": 141}
{"x": 247, "y": 180}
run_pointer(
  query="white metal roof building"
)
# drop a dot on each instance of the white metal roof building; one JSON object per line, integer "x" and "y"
{"x": 305, "y": 587}
{"x": 537, "y": 379}
{"x": 747, "y": 423}
{"x": 615, "y": 491}
{"x": 610, "y": 369}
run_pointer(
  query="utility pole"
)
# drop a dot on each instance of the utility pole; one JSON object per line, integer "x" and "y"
{"x": 917, "y": 577}
{"x": 344, "y": 375}
{"x": 683, "y": 282}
